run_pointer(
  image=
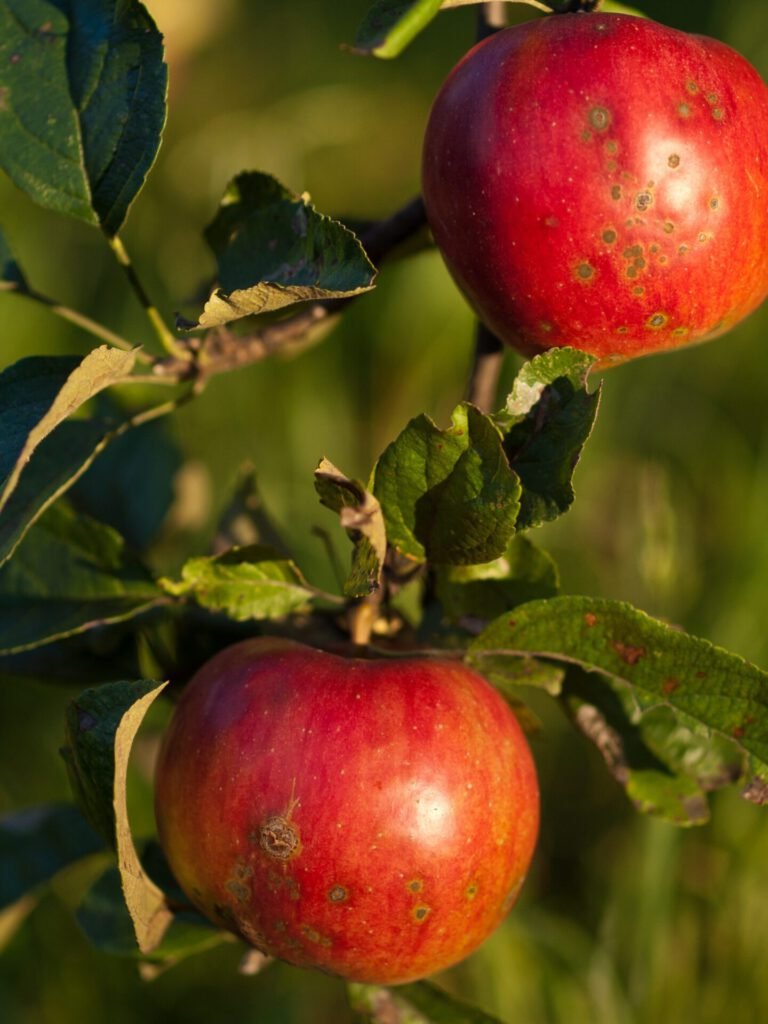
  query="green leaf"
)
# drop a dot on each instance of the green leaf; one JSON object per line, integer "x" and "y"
{"x": 59, "y": 460}
{"x": 106, "y": 922}
{"x": 130, "y": 484}
{"x": 507, "y": 674}
{"x": 546, "y": 422}
{"x": 612, "y": 7}
{"x": 82, "y": 660}
{"x": 665, "y": 767}
{"x": 254, "y": 582}
{"x": 274, "y": 249}
{"x": 11, "y": 275}
{"x": 420, "y": 1002}
{"x": 39, "y": 392}
{"x": 35, "y": 844}
{"x": 523, "y": 573}
{"x": 448, "y": 495}
{"x": 360, "y": 514}
{"x": 71, "y": 574}
{"x": 705, "y": 688}
{"x": 82, "y": 103}
{"x": 101, "y": 726}
{"x": 390, "y": 25}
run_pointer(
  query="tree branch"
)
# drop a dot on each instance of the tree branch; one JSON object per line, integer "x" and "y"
{"x": 221, "y": 349}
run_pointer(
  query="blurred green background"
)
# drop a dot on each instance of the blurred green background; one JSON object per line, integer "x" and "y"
{"x": 624, "y": 919}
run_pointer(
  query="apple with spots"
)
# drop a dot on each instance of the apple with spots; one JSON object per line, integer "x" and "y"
{"x": 601, "y": 181}
{"x": 371, "y": 818}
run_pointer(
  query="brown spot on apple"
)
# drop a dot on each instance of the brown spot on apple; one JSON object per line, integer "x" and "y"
{"x": 337, "y": 894}
{"x": 599, "y": 118}
{"x": 657, "y": 321}
{"x": 279, "y": 838}
{"x": 674, "y": 160}
{"x": 313, "y": 935}
{"x": 609, "y": 236}
{"x": 421, "y": 912}
{"x": 585, "y": 271}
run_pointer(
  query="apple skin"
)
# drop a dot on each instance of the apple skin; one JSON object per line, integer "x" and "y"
{"x": 374, "y": 819}
{"x": 601, "y": 181}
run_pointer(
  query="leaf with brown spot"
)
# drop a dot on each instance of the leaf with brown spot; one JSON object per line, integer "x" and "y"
{"x": 701, "y": 710}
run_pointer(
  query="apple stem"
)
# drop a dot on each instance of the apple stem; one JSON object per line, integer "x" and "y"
{"x": 491, "y": 18}
{"x": 362, "y": 617}
{"x": 484, "y": 378}
{"x": 573, "y": 6}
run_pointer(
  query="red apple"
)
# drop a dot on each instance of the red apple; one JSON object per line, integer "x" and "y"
{"x": 374, "y": 819}
{"x": 601, "y": 181}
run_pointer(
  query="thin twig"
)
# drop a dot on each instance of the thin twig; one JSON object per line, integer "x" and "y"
{"x": 170, "y": 344}
{"x": 79, "y": 319}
